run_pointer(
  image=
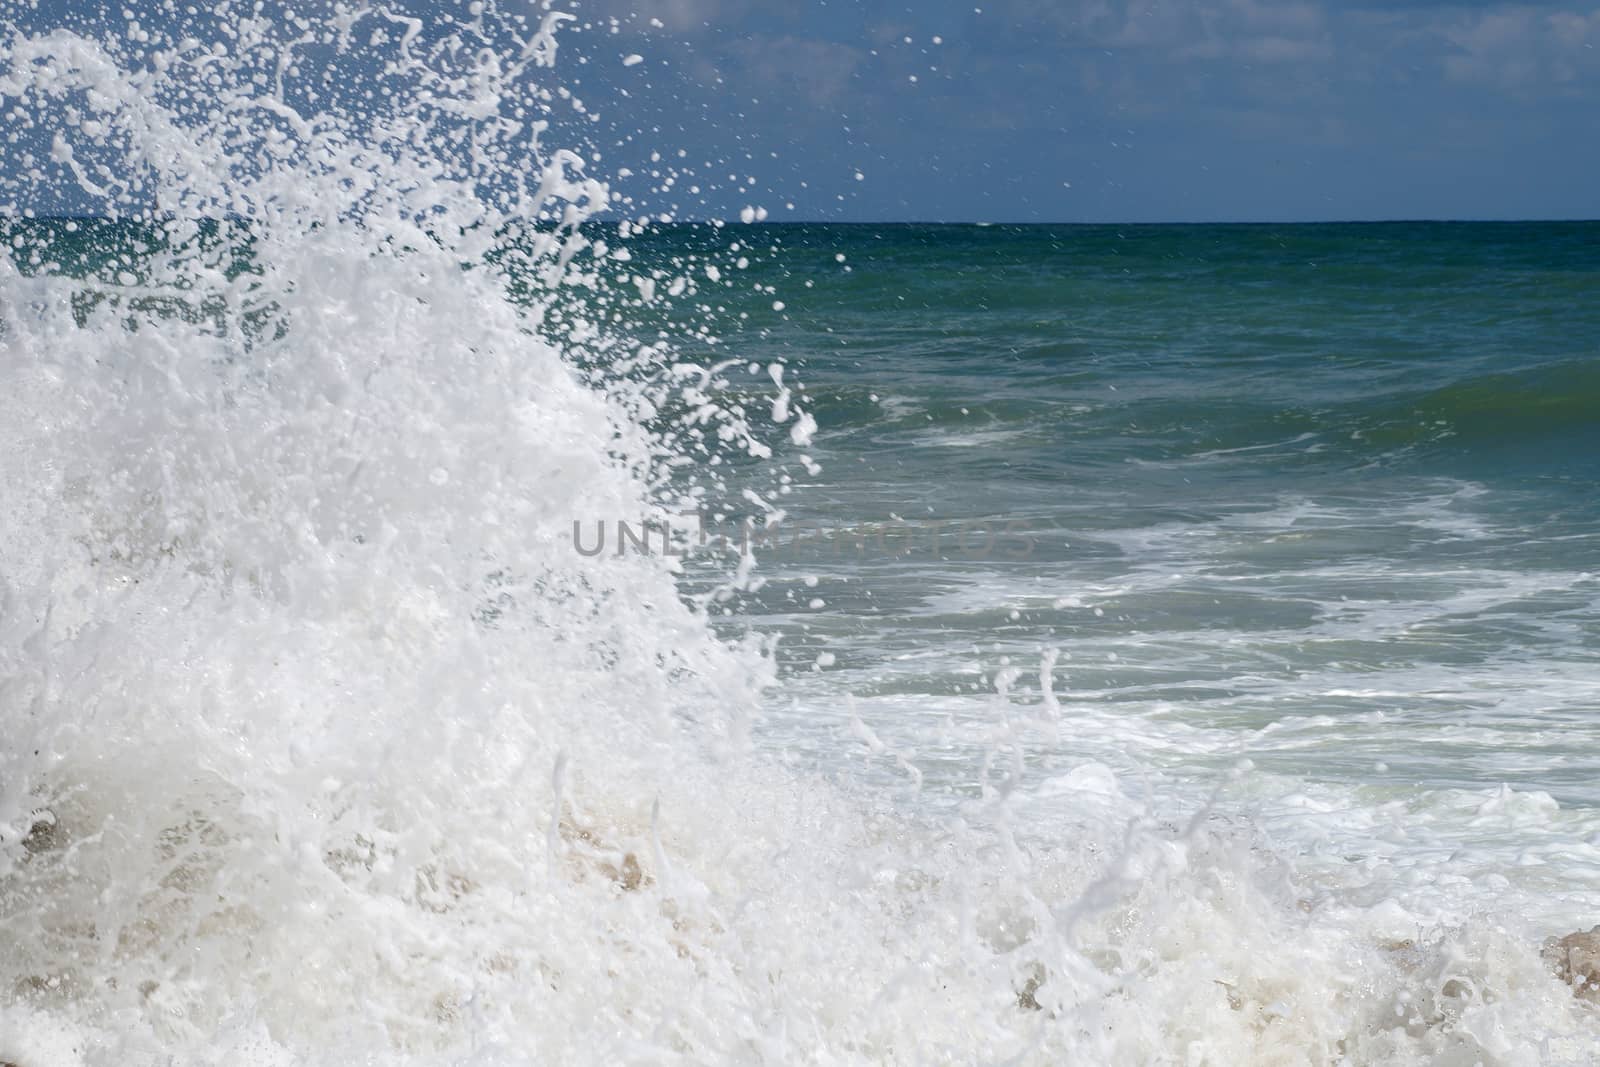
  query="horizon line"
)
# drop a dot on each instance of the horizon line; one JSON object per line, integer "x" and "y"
{"x": 975, "y": 223}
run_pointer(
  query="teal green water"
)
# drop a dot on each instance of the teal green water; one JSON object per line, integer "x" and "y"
{"x": 1322, "y": 497}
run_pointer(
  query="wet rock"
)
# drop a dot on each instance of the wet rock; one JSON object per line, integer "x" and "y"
{"x": 1575, "y": 959}
{"x": 1025, "y": 996}
{"x": 43, "y": 836}
{"x": 630, "y": 877}
{"x": 590, "y": 852}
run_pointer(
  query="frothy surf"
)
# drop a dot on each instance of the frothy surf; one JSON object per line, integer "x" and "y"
{"x": 320, "y": 744}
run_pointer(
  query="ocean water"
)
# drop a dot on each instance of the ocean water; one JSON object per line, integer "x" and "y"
{"x": 1318, "y": 496}
{"x": 1161, "y": 644}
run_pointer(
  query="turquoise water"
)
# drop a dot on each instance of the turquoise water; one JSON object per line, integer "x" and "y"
{"x": 1319, "y": 496}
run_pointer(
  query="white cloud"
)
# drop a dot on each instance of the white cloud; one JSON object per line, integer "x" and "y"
{"x": 820, "y": 71}
{"x": 1256, "y": 31}
{"x": 1522, "y": 48}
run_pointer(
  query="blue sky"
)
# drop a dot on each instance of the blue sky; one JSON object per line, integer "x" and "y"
{"x": 1107, "y": 110}
{"x": 1096, "y": 111}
